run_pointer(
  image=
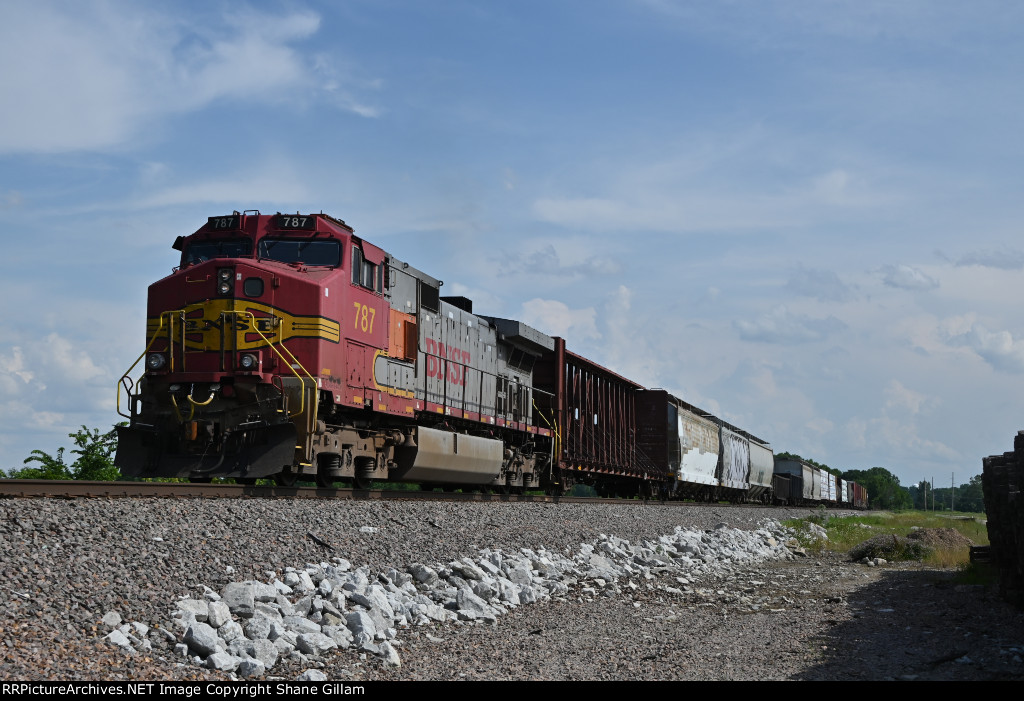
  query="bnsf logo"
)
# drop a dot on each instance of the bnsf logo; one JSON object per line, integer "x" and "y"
{"x": 455, "y": 372}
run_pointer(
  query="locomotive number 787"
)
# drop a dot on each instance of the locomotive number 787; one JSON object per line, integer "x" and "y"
{"x": 364, "y": 317}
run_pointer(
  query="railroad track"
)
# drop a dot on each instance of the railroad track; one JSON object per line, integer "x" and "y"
{"x": 75, "y": 489}
{"x": 71, "y": 489}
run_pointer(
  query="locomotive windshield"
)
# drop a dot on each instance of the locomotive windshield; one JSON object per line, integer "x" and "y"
{"x": 307, "y": 251}
{"x": 198, "y": 251}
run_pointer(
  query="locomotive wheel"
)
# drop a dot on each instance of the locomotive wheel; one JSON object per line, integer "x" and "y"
{"x": 200, "y": 480}
{"x": 286, "y": 478}
{"x": 324, "y": 480}
{"x": 363, "y": 478}
{"x": 247, "y": 481}
{"x": 324, "y": 465}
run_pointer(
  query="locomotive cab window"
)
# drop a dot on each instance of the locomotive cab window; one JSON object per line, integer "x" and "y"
{"x": 319, "y": 252}
{"x": 199, "y": 251}
{"x": 366, "y": 274}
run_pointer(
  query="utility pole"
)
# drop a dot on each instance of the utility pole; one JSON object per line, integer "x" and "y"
{"x": 952, "y": 490}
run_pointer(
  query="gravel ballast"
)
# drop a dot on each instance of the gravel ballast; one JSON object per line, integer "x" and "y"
{"x": 70, "y": 563}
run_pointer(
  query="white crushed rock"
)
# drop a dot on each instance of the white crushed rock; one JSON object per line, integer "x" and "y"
{"x": 642, "y": 591}
{"x": 333, "y": 607}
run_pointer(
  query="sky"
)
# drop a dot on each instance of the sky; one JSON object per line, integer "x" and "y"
{"x": 802, "y": 216}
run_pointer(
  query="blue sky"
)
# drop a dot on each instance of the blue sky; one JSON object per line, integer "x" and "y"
{"x": 803, "y": 216}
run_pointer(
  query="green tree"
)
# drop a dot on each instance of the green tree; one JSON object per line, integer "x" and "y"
{"x": 921, "y": 495}
{"x": 884, "y": 490}
{"x": 966, "y": 497}
{"x": 95, "y": 455}
{"x": 809, "y": 461}
{"x": 969, "y": 497}
{"x": 95, "y": 459}
{"x": 50, "y": 468}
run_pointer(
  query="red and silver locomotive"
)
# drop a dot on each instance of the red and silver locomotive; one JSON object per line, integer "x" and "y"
{"x": 286, "y": 346}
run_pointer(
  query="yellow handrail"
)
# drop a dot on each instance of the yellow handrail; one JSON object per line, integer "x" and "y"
{"x": 557, "y": 446}
{"x": 291, "y": 366}
{"x": 149, "y": 345}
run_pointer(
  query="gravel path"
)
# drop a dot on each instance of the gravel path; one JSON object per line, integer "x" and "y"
{"x": 66, "y": 563}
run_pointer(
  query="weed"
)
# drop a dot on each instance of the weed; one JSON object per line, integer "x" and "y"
{"x": 949, "y": 558}
{"x": 845, "y": 534}
{"x": 891, "y": 547}
{"x": 977, "y": 573}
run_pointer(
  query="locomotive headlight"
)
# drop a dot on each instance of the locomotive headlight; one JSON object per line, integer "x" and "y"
{"x": 156, "y": 361}
{"x": 225, "y": 281}
{"x": 248, "y": 361}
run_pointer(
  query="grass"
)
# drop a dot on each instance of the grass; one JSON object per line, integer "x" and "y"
{"x": 976, "y": 573}
{"x": 845, "y": 533}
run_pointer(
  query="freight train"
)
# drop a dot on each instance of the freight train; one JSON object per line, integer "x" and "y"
{"x": 797, "y": 483}
{"x": 285, "y": 346}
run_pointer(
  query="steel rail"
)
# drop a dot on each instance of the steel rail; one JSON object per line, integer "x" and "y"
{"x": 71, "y": 489}
{"x": 81, "y": 489}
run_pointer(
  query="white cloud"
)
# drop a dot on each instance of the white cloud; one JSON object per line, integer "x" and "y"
{"x": 997, "y": 348}
{"x": 790, "y": 23}
{"x": 557, "y": 319}
{"x": 820, "y": 425}
{"x": 1006, "y": 259}
{"x": 246, "y": 189}
{"x": 895, "y": 430}
{"x": 693, "y": 191}
{"x": 822, "y": 285}
{"x": 663, "y": 210}
{"x": 11, "y": 199}
{"x": 339, "y": 85}
{"x": 627, "y": 347}
{"x": 93, "y": 76}
{"x": 26, "y": 418}
{"x": 783, "y": 326}
{"x": 484, "y": 301}
{"x": 900, "y": 397}
{"x": 796, "y": 422}
{"x": 856, "y": 430}
{"x": 49, "y": 386}
{"x": 836, "y": 187}
{"x": 547, "y": 261}
{"x": 66, "y": 361}
{"x": 14, "y": 365}
{"x": 67, "y": 366}
{"x": 906, "y": 277}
